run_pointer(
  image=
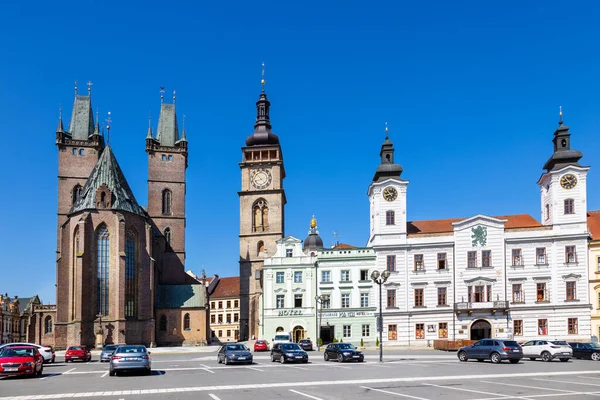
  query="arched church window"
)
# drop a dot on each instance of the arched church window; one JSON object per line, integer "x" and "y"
{"x": 103, "y": 267}
{"x": 74, "y": 279}
{"x": 163, "y": 323}
{"x": 130, "y": 276}
{"x": 260, "y": 216}
{"x": 166, "y": 202}
{"x": 168, "y": 236}
{"x": 76, "y": 194}
{"x": 564, "y": 143}
{"x": 48, "y": 325}
{"x": 260, "y": 247}
{"x": 186, "y": 322}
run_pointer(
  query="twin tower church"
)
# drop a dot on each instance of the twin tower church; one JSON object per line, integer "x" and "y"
{"x": 121, "y": 274}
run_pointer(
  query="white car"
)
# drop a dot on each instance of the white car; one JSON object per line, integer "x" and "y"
{"x": 46, "y": 351}
{"x": 547, "y": 350}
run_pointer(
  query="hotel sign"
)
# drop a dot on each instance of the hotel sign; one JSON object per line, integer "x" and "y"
{"x": 347, "y": 314}
{"x": 285, "y": 313}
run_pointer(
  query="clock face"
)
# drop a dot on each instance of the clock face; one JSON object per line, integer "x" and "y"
{"x": 260, "y": 178}
{"x": 390, "y": 193}
{"x": 568, "y": 181}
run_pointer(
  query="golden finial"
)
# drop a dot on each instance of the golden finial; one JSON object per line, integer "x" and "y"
{"x": 560, "y": 121}
{"x": 262, "y": 81}
{"x": 313, "y": 222}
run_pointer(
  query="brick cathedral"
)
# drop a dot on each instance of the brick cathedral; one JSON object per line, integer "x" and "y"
{"x": 120, "y": 266}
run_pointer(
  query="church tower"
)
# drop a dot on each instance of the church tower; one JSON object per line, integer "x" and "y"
{"x": 167, "y": 164}
{"x": 563, "y": 186}
{"x": 262, "y": 201}
{"x": 387, "y": 196}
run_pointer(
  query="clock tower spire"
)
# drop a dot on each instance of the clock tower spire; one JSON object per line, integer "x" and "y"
{"x": 262, "y": 201}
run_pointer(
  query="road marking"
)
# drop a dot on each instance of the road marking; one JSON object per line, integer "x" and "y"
{"x": 296, "y": 384}
{"x": 529, "y": 387}
{"x": 576, "y": 383}
{"x": 294, "y": 366}
{"x": 256, "y": 369}
{"x": 394, "y": 393}
{"x": 305, "y": 395}
{"x": 69, "y": 371}
{"x": 208, "y": 370}
{"x": 204, "y": 365}
{"x": 379, "y": 365}
{"x": 503, "y": 396}
{"x": 106, "y": 373}
{"x": 212, "y": 396}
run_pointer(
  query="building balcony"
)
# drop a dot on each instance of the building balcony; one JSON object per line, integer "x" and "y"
{"x": 483, "y": 306}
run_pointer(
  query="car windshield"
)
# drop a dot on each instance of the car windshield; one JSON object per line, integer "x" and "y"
{"x": 131, "y": 349}
{"x": 305, "y": 341}
{"x": 75, "y": 348}
{"x": 236, "y": 347}
{"x": 260, "y": 342}
{"x": 290, "y": 346}
{"x": 560, "y": 342}
{"x": 282, "y": 337}
{"x": 12, "y": 352}
{"x": 511, "y": 343}
{"x": 593, "y": 345}
{"x": 110, "y": 347}
{"x": 345, "y": 346}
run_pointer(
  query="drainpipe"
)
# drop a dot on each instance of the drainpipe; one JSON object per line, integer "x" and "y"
{"x": 454, "y": 293}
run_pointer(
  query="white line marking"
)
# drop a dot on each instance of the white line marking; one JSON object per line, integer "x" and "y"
{"x": 504, "y": 396}
{"x": 530, "y": 387}
{"x": 296, "y": 384}
{"x": 305, "y": 395}
{"x": 212, "y": 396}
{"x": 208, "y": 370}
{"x": 256, "y": 369}
{"x": 69, "y": 371}
{"x": 575, "y": 383}
{"x": 296, "y": 367}
{"x": 204, "y": 365}
{"x": 394, "y": 393}
{"x": 531, "y": 396}
{"x": 106, "y": 373}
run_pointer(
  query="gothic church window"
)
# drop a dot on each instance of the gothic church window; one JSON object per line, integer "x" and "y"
{"x": 168, "y": 236}
{"x": 130, "y": 276}
{"x": 48, "y": 325}
{"x": 260, "y": 216}
{"x": 163, "y": 323}
{"x": 186, "y": 322}
{"x": 166, "y": 202}
{"x": 260, "y": 247}
{"x": 76, "y": 193}
{"x": 103, "y": 267}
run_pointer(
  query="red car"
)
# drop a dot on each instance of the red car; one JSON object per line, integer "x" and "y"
{"x": 21, "y": 360}
{"x": 78, "y": 353}
{"x": 261, "y": 345}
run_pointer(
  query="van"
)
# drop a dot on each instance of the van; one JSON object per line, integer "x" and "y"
{"x": 282, "y": 337}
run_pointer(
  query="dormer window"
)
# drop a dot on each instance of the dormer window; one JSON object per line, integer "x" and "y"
{"x": 289, "y": 252}
{"x": 103, "y": 197}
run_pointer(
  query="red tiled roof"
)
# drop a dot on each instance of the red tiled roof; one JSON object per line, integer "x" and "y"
{"x": 593, "y": 220}
{"x": 344, "y": 246}
{"x": 227, "y": 287}
{"x": 445, "y": 225}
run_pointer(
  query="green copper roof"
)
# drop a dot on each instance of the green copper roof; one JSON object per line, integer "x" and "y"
{"x": 107, "y": 172}
{"x": 180, "y": 296}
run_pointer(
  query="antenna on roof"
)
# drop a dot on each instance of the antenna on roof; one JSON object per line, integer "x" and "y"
{"x": 335, "y": 239}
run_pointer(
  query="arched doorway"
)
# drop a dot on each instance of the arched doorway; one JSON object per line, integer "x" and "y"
{"x": 298, "y": 333}
{"x": 481, "y": 329}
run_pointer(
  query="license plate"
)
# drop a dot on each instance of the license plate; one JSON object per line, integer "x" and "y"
{"x": 11, "y": 369}
{"x": 241, "y": 358}
{"x": 516, "y": 351}
{"x": 131, "y": 358}
{"x": 74, "y": 357}
{"x": 355, "y": 356}
{"x": 298, "y": 356}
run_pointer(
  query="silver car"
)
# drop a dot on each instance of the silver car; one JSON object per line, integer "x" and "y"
{"x": 130, "y": 358}
{"x": 234, "y": 353}
{"x": 108, "y": 351}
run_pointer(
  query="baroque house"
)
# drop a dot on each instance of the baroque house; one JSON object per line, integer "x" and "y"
{"x": 485, "y": 276}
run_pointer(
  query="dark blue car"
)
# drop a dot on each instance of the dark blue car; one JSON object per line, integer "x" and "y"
{"x": 495, "y": 350}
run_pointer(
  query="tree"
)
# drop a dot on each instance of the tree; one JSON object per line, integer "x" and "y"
{"x": 377, "y": 342}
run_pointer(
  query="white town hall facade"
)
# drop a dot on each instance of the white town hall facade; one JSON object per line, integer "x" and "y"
{"x": 485, "y": 276}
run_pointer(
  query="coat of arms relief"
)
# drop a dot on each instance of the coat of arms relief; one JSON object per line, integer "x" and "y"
{"x": 479, "y": 236}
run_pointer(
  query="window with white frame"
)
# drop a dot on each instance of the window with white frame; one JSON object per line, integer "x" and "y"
{"x": 289, "y": 252}
{"x": 390, "y": 217}
{"x": 571, "y": 291}
{"x": 572, "y": 326}
{"x": 297, "y": 276}
{"x": 364, "y": 274}
{"x": 517, "y": 258}
{"x": 540, "y": 256}
{"x": 345, "y": 300}
{"x": 366, "y": 330}
{"x": 280, "y": 301}
{"x": 486, "y": 258}
{"x": 325, "y": 276}
{"x": 418, "y": 261}
{"x": 279, "y": 277}
{"x": 472, "y": 259}
{"x": 297, "y": 301}
{"x": 541, "y": 291}
{"x": 441, "y": 257}
{"x": 442, "y": 296}
{"x": 364, "y": 300}
{"x": 326, "y": 301}
{"x": 391, "y": 263}
{"x": 517, "y": 293}
{"x": 345, "y": 275}
{"x": 570, "y": 255}
{"x": 347, "y": 330}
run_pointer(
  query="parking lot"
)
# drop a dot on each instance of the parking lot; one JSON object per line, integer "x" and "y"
{"x": 424, "y": 375}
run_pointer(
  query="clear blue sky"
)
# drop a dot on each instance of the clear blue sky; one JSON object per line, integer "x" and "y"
{"x": 470, "y": 89}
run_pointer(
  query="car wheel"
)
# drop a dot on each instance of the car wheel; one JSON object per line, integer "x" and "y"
{"x": 495, "y": 357}
{"x": 595, "y": 356}
{"x": 282, "y": 359}
{"x": 325, "y": 357}
{"x": 480, "y": 359}
{"x": 340, "y": 358}
{"x": 462, "y": 356}
{"x": 532, "y": 358}
{"x": 148, "y": 371}
{"x": 514, "y": 360}
{"x": 546, "y": 356}
{"x": 564, "y": 359}
{"x": 304, "y": 361}
{"x": 225, "y": 360}
{"x": 111, "y": 373}
{"x": 272, "y": 358}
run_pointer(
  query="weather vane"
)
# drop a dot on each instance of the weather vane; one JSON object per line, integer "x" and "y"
{"x": 262, "y": 81}
{"x": 386, "y": 131}
{"x": 560, "y": 121}
{"x": 108, "y": 122}
{"x": 89, "y": 85}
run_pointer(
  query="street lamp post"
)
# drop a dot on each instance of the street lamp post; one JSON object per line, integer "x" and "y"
{"x": 380, "y": 279}
{"x": 320, "y": 299}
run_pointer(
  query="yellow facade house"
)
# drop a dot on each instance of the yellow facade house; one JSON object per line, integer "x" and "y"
{"x": 594, "y": 265}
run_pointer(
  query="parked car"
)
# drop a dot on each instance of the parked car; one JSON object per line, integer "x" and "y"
{"x": 78, "y": 353}
{"x": 21, "y": 360}
{"x": 342, "y": 352}
{"x": 495, "y": 350}
{"x": 108, "y": 351}
{"x": 282, "y": 337}
{"x": 47, "y": 352}
{"x": 547, "y": 350}
{"x": 288, "y": 352}
{"x": 234, "y": 353}
{"x": 261, "y": 345}
{"x": 585, "y": 350}
{"x": 130, "y": 358}
{"x": 306, "y": 344}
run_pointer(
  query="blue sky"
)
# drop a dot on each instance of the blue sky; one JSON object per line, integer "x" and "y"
{"x": 470, "y": 89}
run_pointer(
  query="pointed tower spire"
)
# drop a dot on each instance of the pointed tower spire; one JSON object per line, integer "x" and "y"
{"x": 81, "y": 126}
{"x": 262, "y": 128}
{"x": 60, "y": 127}
{"x": 168, "y": 132}
{"x": 149, "y": 135}
{"x": 387, "y": 168}
{"x": 97, "y": 128}
{"x": 183, "y": 137}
